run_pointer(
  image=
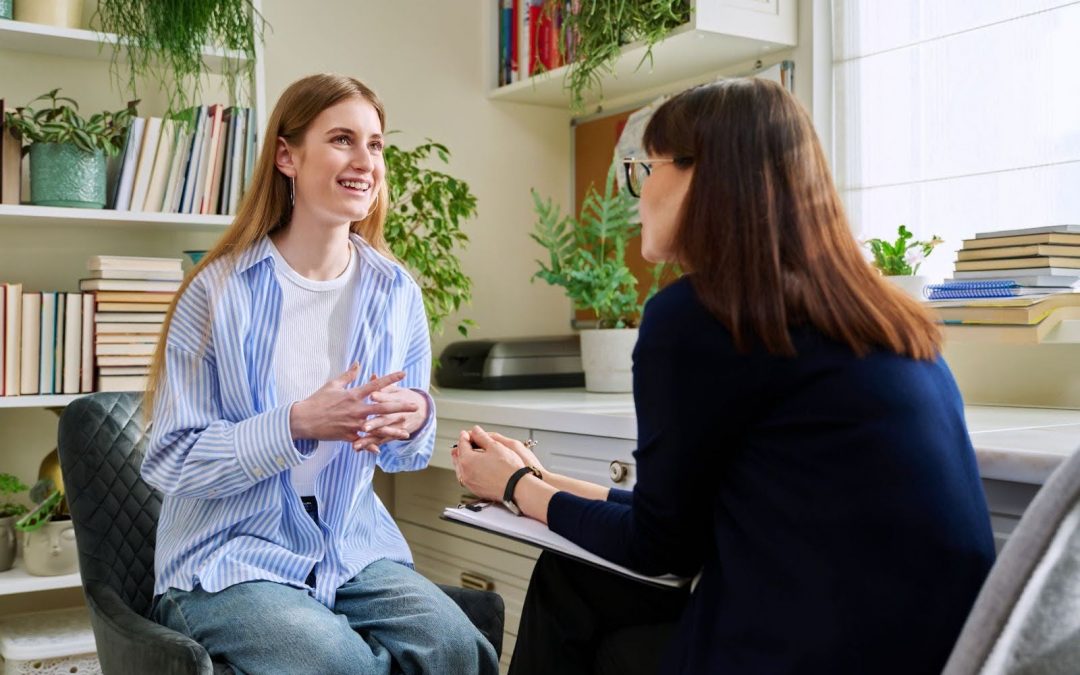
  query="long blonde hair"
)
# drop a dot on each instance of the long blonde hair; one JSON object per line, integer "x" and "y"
{"x": 266, "y": 205}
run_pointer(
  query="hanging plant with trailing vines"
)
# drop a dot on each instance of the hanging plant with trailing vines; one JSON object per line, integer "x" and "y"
{"x": 599, "y": 28}
{"x": 165, "y": 39}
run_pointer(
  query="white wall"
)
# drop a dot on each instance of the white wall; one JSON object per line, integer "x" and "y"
{"x": 431, "y": 64}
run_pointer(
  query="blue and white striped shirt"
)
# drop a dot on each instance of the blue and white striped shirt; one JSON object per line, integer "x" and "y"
{"x": 221, "y": 447}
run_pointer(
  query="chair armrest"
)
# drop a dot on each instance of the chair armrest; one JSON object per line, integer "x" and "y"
{"x": 130, "y": 643}
{"x": 484, "y": 608}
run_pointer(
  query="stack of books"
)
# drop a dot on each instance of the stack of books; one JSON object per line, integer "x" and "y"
{"x": 45, "y": 342}
{"x": 1038, "y": 257}
{"x": 1013, "y": 287}
{"x": 132, "y": 296}
{"x": 1024, "y": 319}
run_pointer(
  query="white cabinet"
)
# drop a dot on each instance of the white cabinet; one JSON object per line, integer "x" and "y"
{"x": 605, "y": 461}
{"x": 720, "y": 34}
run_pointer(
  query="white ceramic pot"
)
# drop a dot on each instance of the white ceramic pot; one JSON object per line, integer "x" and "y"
{"x": 50, "y": 550}
{"x": 60, "y": 13}
{"x": 607, "y": 358}
{"x": 913, "y": 285}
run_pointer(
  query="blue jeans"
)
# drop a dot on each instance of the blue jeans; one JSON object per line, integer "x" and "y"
{"x": 386, "y": 619}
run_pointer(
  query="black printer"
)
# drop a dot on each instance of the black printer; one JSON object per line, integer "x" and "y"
{"x": 512, "y": 363}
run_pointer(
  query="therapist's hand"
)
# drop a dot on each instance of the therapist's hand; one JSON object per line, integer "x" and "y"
{"x": 483, "y": 464}
{"x": 521, "y": 450}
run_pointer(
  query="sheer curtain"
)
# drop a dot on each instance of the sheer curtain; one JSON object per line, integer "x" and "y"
{"x": 956, "y": 116}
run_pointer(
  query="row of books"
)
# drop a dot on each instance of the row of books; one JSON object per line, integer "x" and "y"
{"x": 531, "y": 37}
{"x": 1014, "y": 287}
{"x": 99, "y": 339}
{"x": 198, "y": 162}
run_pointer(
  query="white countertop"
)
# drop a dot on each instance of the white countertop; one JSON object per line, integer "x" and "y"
{"x": 1016, "y": 444}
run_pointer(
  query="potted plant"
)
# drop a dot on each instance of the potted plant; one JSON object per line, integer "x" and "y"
{"x": 9, "y": 513}
{"x": 594, "y": 34}
{"x": 587, "y": 257}
{"x": 165, "y": 41}
{"x": 423, "y": 227}
{"x": 49, "y": 536}
{"x": 899, "y": 261}
{"x": 67, "y": 151}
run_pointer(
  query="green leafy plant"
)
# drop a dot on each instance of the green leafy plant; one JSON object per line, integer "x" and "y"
{"x": 587, "y": 255}
{"x": 598, "y": 30}
{"x": 48, "y": 499}
{"x": 60, "y": 122}
{"x": 9, "y": 487}
{"x": 903, "y": 256}
{"x": 423, "y": 227}
{"x": 165, "y": 40}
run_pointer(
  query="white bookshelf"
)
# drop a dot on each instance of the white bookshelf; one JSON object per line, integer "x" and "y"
{"x": 52, "y": 216}
{"x": 34, "y": 228}
{"x": 84, "y": 45}
{"x": 35, "y": 401}
{"x": 18, "y": 580}
{"x": 720, "y": 34}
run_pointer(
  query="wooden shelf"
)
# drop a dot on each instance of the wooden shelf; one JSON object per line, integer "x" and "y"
{"x": 52, "y": 216}
{"x": 722, "y": 33}
{"x": 85, "y": 45}
{"x": 17, "y": 580}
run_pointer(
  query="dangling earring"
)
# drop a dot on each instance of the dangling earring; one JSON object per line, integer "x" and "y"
{"x": 292, "y": 190}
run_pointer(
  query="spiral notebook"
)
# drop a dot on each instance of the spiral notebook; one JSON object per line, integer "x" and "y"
{"x": 496, "y": 519}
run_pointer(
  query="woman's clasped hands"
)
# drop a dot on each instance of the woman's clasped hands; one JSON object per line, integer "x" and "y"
{"x": 367, "y": 416}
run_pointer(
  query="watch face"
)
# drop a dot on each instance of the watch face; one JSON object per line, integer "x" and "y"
{"x": 512, "y": 507}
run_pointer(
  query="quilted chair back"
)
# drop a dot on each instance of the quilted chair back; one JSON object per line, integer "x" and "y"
{"x": 101, "y": 444}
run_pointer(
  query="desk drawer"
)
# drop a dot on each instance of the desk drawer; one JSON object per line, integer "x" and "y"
{"x": 421, "y": 496}
{"x": 446, "y": 434}
{"x": 587, "y": 457}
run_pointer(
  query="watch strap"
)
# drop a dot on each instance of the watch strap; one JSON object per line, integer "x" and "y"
{"x": 508, "y": 493}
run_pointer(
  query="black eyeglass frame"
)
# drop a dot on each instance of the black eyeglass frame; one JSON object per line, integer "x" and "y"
{"x": 629, "y": 162}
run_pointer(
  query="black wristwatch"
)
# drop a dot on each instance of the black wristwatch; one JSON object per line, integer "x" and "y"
{"x": 508, "y": 494}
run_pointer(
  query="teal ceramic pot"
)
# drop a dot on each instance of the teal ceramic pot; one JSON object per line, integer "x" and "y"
{"x": 5, "y": 9}
{"x": 63, "y": 175}
{"x": 195, "y": 256}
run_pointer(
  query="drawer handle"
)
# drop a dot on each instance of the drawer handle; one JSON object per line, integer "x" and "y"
{"x": 618, "y": 471}
{"x": 477, "y": 582}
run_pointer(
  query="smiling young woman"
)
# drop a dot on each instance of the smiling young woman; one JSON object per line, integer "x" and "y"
{"x": 273, "y": 551}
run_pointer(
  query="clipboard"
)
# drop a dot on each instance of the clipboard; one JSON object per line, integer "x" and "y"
{"x": 496, "y": 519}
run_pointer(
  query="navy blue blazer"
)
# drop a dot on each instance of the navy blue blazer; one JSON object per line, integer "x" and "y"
{"x": 832, "y": 503}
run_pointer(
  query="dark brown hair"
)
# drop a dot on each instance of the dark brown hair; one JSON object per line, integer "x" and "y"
{"x": 763, "y": 232}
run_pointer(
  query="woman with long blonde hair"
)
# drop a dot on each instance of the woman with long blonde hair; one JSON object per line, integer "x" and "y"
{"x": 294, "y": 360}
{"x": 801, "y": 441}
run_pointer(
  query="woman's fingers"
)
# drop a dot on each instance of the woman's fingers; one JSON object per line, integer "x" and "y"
{"x": 379, "y": 383}
{"x": 382, "y": 421}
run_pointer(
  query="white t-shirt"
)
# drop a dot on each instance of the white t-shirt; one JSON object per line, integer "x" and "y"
{"x": 311, "y": 346}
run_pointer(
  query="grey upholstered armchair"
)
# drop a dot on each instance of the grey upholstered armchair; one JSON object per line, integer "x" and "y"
{"x": 115, "y": 513}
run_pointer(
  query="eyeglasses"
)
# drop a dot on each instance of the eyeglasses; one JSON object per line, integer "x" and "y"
{"x": 637, "y": 170}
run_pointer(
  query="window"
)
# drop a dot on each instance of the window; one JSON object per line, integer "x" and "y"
{"x": 956, "y": 117}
